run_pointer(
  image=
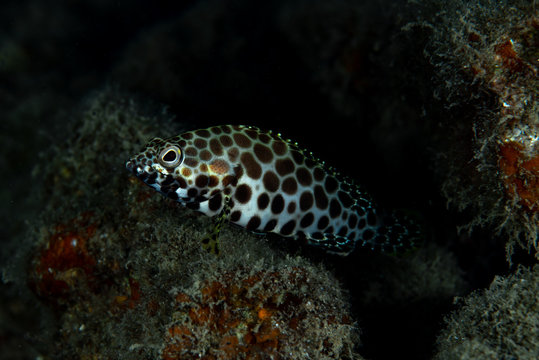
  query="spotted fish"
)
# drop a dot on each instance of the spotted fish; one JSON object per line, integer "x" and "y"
{"x": 260, "y": 181}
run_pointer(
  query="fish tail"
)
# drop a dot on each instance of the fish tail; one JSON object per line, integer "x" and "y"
{"x": 400, "y": 232}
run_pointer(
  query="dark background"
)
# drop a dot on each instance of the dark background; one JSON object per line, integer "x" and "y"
{"x": 377, "y": 122}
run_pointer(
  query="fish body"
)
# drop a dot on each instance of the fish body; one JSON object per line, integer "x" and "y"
{"x": 264, "y": 183}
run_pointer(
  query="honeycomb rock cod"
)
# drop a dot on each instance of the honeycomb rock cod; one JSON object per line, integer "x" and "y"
{"x": 264, "y": 183}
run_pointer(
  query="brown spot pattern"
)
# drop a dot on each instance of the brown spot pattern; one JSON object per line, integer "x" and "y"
{"x": 216, "y": 130}
{"x": 235, "y": 216}
{"x": 320, "y": 197}
{"x": 214, "y": 204}
{"x": 345, "y": 199}
{"x": 205, "y": 155}
{"x": 279, "y": 147}
{"x": 216, "y": 147}
{"x": 253, "y": 134}
{"x": 339, "y": 206}
{"x": 233, "y": 154}
{"x": 263, "y": 153}
{"x": 270, "y": 225}
{"x": 263, "y": 201}
{"x": 290, "y": 186}
{"x": 192, "y": 162}
{"x": 200, "y": 143}
{"x": 243, "y": 193}
{"x": 187, "y": 135}
{"x": 323, "y": 222}
{"x": 307, "y": 220}
{"x": 304, "y": 176}
{"x": 288, "y": 228}
{"x": 271, "y": 181}
{"x": 214, "y": 181}
{"x": 253, "y": 223}
{"x": 203, "y": 133}
{"x": 226, "y": 129}
{"x": 192, "y": 192}
{"x": 242, "y": 140}
{"x": 331, "y": 184}
{"x": 238, "y": 171}
{"x": 334, "y": 208}
{"x": 284, "y": 166}
{"x": 318, "y": 174}
{"x": 297, "y": 156}
{"x": 226, "y": 140}
{"x": 306, "y": 200}
{"x": 277, "y": 205}
{"x": 182, "y": 183}
{"x": 291, "y": 207}
{"x": 219, "y": 166}
{"x": 264, "y": 138}
{"x": 252, "y": 167}
{"x": 201, "y": 181}
{"x": 230, "y": 180}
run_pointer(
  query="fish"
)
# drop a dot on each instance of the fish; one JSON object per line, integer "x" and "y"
{"x": 265, "y": 183}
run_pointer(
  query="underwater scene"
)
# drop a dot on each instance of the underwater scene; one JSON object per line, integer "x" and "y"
{"x": 282, "y": 179}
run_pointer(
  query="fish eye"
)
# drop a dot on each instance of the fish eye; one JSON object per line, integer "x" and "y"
{"x": 170, "y": 157}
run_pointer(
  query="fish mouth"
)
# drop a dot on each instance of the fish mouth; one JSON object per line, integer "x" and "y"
{"x": 130, "y": 165}
{"x": 136, "y": 170}
{"x": 141, "y": 172}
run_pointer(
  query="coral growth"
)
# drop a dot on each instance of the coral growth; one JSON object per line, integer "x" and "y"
{"x": 109, "y": 273}
{"x": 514, "y": 80}
{"x": 488, "y": 69}
{"x": 65, "y": 265}
{"x": 501, "y": 322}
{"x": 78, "y": 265}
{"x": 521, "y": 174}
{"x": 280, "y": 313}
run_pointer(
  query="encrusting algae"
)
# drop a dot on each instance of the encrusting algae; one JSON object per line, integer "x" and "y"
{"x": 258, "y": 315}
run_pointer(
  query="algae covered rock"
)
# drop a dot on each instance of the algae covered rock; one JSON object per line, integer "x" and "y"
{"x": 485, "y": 54}
{"x": 119, "y": 264}
{"x": 501, "y": 322}
{"x": 288, "y": 310}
